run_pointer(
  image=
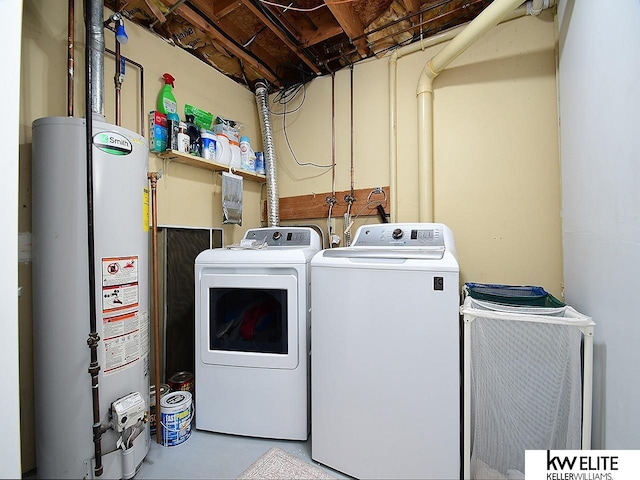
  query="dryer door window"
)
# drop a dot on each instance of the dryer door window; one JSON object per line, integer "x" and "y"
{"x": 248, "y": 320}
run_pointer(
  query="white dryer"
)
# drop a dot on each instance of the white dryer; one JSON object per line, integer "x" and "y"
{"x": 385, "y": 375}
{"x": 252, "y": 334}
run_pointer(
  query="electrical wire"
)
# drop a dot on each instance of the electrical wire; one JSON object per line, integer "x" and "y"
{"x": 130, "y": 434}
{"x": 297, "y": 9}
{"x": 284, "y": 97}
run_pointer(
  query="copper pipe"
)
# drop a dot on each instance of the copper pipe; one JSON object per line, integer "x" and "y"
{"x": 70, "y": 55}
{"x": 118, "y": 86}
{"x": 143, "y": 119}
{"x": 351, "y": 120}
{"x": 141, "y": 68}
{"x": 420, "y": 24}
{"x": 153, "y": 177}
{"x": 410, "y": 15}
{"x": 333, "y": 135}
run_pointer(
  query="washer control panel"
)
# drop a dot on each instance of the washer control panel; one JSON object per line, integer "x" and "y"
{"x": 394, "y": 235}
{"x": 281, "y": 236}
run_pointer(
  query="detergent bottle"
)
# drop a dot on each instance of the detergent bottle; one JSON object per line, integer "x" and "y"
{"x": 247, "y": 157}
{"x": 166, "y": 101}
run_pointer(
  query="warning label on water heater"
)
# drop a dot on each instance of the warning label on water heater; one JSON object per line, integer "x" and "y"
{"x": 120, "y": 312}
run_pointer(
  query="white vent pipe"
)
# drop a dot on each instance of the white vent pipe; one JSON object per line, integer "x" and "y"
{"x": 489, "y": 18}
{"x": 461, "y": 37}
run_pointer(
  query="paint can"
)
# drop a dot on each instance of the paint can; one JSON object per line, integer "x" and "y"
{"x": 182, "y": 381}
{"x": 175, "y": 418}
{"x": 164, "y": 389}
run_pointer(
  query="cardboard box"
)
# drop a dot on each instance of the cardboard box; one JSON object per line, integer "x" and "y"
{"x": 158, "y": 132}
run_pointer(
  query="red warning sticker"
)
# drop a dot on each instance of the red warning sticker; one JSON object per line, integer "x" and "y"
{"x": 120, "y": 312}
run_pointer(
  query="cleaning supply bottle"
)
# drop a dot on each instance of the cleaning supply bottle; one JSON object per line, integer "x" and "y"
{"x": 247, "y": 157}
{"x": 166, "y": 101}
{"x": 194, "y": 136}
{"x": 167, "y": 104}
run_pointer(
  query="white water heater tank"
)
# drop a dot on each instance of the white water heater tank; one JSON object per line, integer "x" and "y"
{"x": 61, "y": 325}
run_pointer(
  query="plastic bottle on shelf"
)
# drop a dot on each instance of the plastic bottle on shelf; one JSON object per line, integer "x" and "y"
{"x": 208, "y": 140}
{"x": 183, "y": 138}
{"x": 167, "y": 103}
{"x": 194, "y": 136}
{"x": 247, "y": 157}
{"x": 260, "y": 163}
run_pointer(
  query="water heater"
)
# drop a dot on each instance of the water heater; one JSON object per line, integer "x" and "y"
{"x": 63, "y": 392}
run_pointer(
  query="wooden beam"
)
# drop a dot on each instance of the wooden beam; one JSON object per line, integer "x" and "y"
{"x": 326, "y": 26}
{"x": 350, "y": 23}
{"x": 156, "y": 11}
{"x": 196, "y": 20}
{"x": 280, "y": 34}
{"x": 238, "y": 34}
{"x": 223, "y": 7}
{"x": 315, "y": 205}
{"x": 412, "y": 6}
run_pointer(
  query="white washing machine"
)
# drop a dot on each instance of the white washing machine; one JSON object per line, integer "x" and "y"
{"x": 385, "y": 374}
{"x": 252, "y": 334}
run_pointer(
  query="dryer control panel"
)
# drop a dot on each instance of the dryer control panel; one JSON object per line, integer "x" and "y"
{"x": 400, "y": 235}
{"x": 282, "y": 236}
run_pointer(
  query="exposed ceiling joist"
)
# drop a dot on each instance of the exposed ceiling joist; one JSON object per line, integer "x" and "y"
{"x": 413, "y": 7}
{"x": 351, "y": 24}
{"x": 194, "y": 18}
{"x": 288, "y": 42}
{"x": 322, "y": 27}
{"x": 296, "y": 49}
{"x": 221, "y": 8}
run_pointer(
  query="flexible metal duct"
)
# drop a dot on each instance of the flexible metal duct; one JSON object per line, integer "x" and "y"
{"x": 273, "y": 210}
{"x": 96, "y": 42}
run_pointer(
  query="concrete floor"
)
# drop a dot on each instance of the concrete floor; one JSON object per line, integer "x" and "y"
{"x": 217, "y": 456}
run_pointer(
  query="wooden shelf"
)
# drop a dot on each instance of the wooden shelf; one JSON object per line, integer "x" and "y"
{"x": 200, "y": 162}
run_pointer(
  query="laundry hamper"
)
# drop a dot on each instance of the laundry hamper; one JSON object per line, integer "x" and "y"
{"x": 527, "y": 378}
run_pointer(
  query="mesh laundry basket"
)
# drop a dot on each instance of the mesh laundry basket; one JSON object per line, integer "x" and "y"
{"x": 524, "y": 387}
{"x": 512, "y": 294}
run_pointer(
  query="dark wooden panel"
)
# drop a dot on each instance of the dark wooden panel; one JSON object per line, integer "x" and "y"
{"x": 316, "y": 206}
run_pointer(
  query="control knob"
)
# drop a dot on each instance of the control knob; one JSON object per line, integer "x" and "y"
{"x": 397, "y": 234}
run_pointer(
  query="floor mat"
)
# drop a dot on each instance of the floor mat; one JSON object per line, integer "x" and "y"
{"x": 281, "y": 465}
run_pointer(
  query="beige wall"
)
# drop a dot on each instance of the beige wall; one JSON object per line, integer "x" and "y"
{"x": 497, "y": 179}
